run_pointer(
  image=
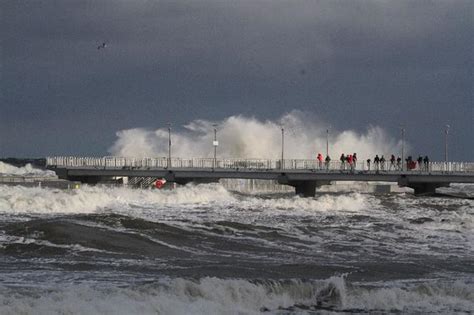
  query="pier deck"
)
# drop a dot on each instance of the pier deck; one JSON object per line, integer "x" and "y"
{"x": 304, "y": 175}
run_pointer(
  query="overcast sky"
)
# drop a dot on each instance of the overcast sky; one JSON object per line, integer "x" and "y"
{"x": 350, "y": 63}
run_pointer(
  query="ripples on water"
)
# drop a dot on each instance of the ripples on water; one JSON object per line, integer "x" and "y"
{"x": 205, "y": 250}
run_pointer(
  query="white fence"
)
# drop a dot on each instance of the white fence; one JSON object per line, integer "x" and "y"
{"x": 111, "y": 162}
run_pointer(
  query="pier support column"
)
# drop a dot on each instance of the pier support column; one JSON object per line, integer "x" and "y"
{"x": 426, "y": 188}
{"x": 306, "y": 189}
{"x": 421, "y": 188}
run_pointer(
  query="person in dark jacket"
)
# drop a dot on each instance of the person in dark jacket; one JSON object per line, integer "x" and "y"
{"x": 377, "y": 162}
{"x": 382, "y": 163}
{"x": 420, "y": 160}
{"x": 426, "y": 162}
{"x": 399, "y": 163}
{"x": 368, "y": 164}
{"x": 327, "y": 161}
{"x": 392, "y": 162}
{"x": 343, "y": 161}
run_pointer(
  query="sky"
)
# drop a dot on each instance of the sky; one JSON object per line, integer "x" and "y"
{"x": 347, "y": 64}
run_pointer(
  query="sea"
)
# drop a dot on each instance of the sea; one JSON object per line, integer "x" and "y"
{"x": 206, "y": 249}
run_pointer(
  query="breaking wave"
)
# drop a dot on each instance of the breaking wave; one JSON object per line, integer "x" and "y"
{"x": 89, "y": 199}
{"x": 27, "y": 170}
{"x": 238, "y": 296}
{"x": 304, "y": 138}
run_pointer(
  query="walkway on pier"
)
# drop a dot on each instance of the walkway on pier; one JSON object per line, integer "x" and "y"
{"x": 304, "y": 175}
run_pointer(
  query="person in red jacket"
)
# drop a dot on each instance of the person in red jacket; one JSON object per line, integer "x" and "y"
{"x": 351, "y": 161}
{"x": 320, "y": 161}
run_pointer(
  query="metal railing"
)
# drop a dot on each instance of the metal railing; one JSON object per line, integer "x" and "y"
{"x": 111, "y": 162}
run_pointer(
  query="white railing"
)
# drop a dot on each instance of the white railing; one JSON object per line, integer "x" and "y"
{"x": 110, "y": 162}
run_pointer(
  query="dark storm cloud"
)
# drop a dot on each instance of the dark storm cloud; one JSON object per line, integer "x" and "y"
{"x": 377, "y": 62}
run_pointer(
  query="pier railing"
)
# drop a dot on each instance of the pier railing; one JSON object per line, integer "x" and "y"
{"x": 112, "y": 162}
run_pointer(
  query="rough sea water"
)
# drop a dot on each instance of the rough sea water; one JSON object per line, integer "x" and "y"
{"x": 206, "y": 250}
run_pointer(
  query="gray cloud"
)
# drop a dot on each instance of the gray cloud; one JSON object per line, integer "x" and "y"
{"x": 352, "y": 63}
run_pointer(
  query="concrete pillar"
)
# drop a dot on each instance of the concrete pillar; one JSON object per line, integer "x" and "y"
{"x": 305, "y": 188}
{"x": 426, "y": 188}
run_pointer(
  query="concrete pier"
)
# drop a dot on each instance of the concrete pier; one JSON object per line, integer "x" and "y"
{"x": 304, "y": 175}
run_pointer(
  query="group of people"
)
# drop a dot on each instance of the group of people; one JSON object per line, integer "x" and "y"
{"x": 349, "y": 161}
{"x": 423, "y": 163}
{"x": 379, "y": 163}
{"x": 322, "y": 160}
{"x": 396, "y": 163}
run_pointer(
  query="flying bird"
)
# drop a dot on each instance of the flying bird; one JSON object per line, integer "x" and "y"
{"x": 103, "y": 45}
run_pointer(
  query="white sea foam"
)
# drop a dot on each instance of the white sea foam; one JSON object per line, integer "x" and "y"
{"x": 304, "y": 138}
{"x": 352, "y": 202}
{"x": 237, "y": 296}
{"x": 192, "y": 206}
{"x": 91, "y": 199}
{"x": 27, "y": 170}
{"x": 201, "y": 203}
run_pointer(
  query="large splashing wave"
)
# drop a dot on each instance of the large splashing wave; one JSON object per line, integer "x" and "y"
{"x": 89, "y": 199}
{"x": 244, "y": 137}
{"x": 236, "y": 296}
{"x": 27, "y": 170}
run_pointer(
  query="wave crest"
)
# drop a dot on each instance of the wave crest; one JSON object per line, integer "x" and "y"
{"x": 239, "y": 296}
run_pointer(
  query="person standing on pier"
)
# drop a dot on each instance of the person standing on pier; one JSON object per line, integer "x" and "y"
{"x": 376, "y": 162}
{"x": 354, "y": 159}
{"x": 343, "y": 161}
{"x": 426, "y": 162}
{"x": 382, "y": 163}
{"x": 320, "y": 160}
{"x": 350, "y": 160}
{"x": 368, "y": 164}
{"x": 327, "y": 161}
{"x": 399, "y": 163}
{"x": 420, "y": 160}
{"x": 392, "y": 162}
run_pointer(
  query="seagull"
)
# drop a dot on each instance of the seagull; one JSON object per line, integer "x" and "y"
{"x": 103, "y": 45}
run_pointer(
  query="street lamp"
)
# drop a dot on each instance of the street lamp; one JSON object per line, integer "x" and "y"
{"x": 327, "y": 142}
{"x": 169, "y": 145}
{"x": 446, "y": 132}
{"x": 215, "y": 143}
{"x": 403, "y": 144}
{"x": 282, "y": 146}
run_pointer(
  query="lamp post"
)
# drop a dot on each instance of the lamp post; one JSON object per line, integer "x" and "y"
{"x": 282, "y": 146}
{"x": 215, "y": 143}
{"x": 169, "y": 145}
{"x": 403, "y": 145}
{"x": 446, "y": 133}
{"x": 327, "y": 142}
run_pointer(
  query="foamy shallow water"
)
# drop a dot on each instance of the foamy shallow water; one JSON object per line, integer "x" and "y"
{"x": 205, "y": 250}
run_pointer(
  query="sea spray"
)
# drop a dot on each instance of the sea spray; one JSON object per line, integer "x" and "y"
{"x": 244, "y": 137}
